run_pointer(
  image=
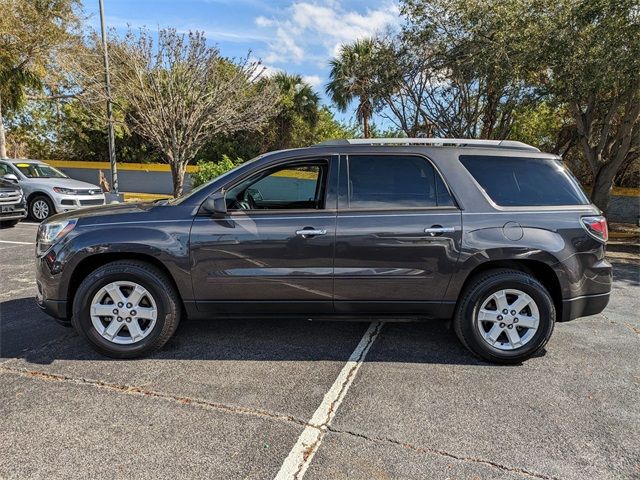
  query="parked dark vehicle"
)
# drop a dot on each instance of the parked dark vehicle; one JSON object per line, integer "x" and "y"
{"x": 13, "y": 207}
{"x": 492, "y": 233}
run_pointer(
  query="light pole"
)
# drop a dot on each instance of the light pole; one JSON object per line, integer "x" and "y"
{"x": 107, "y": 83}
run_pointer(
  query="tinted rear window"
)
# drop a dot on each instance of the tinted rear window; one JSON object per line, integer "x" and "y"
{"x": 395, "y": 182}
{"x": 515, "y": 181}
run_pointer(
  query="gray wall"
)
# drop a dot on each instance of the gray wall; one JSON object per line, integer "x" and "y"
{"x": 624, "y": 210}
{"x": 137, "y": 181}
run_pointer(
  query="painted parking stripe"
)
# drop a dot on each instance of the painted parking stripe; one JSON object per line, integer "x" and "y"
{"x": 17, "y": 243}
{"x": 300, "y": 456}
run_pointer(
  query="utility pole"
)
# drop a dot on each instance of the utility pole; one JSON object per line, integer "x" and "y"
{"x": 107, "y": 82}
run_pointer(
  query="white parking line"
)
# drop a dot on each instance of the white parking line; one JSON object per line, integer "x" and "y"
{"x": 300, "y": 456}
{"x": 17, "y": 243}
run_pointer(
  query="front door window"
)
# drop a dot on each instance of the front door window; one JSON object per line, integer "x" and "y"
{"x": 288, "y": 187}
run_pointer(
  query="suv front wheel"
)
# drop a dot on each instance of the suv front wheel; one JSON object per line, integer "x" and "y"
{"x": 126, "y": 309}
{"x": 505, "y": 316}
{"x": 41, "y": 208}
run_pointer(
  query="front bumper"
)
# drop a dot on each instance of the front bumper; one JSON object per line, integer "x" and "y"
{"x": 584, "y": 306}
{"x": 50, "y": 295}
{"x": 57, "y": 310}
{"x": 68, "y": 203}
{"x": 13, "y": 212}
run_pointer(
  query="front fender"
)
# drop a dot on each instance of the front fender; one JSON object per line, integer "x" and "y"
{"x": 168, "y": 243}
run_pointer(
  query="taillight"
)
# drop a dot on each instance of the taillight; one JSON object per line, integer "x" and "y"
{"x": 597, "y": 227}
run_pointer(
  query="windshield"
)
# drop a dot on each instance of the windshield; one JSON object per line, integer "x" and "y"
{"x": 177, "y": 201}
{"x": 39, "y": 170}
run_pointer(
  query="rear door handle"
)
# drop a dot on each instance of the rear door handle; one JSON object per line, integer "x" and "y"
{"x": 310, "y": 232}
{"x": 438, "y": 230}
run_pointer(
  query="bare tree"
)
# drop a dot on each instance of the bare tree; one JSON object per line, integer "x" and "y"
{"x": 421, "y": 91}
{"x": 179, "y": 93}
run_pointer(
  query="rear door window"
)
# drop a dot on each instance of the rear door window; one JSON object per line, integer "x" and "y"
{"x": 395, "y": 182}
{"x": 517, "y": 181}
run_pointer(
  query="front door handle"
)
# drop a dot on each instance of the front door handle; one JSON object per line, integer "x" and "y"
{"x": 310, "y": 232}
{"x": 438, "y": 230}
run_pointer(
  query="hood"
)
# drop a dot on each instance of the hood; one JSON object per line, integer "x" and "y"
{"x": 7, "y": 185}
{"x": 63, "y": 182}
{"x": 97, "y": 214}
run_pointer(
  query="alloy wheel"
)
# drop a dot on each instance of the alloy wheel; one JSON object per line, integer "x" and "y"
{"x": 40, "y": 209}
{"x": 123, "y": 312}
{"x": 508, "y": 319}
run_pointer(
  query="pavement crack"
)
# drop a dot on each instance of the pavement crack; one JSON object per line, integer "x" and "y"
{"x": 442, "y": 453}
{"x": 628, "y": 325}
{"x": 140, "y": 391}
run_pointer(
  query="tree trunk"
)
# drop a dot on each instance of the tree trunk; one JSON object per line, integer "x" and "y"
{"x": 3, "y": 140}
{"x": 602, "y": 186}
{"x": 178, "y": 170}
{"x": 365, "y": 126}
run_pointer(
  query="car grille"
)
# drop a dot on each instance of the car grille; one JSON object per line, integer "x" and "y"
{"x": 90, "y": 191}
{"x": 86, "y": 203}
{"x": 9, "y": 196}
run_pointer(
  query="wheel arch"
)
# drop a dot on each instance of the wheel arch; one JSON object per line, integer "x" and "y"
{"x": 541, "y": 271}
{"x": 91, "y": 263}
{"x": 39, "y": 193}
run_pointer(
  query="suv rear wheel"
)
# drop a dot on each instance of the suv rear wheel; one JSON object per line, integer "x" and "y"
{"x": 126, "y": 309}
{"x": 505, "y": 316}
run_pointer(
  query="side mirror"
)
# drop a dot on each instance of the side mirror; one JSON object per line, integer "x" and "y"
{"x": 11, "y": 177}
{"x": 216, "y": 204}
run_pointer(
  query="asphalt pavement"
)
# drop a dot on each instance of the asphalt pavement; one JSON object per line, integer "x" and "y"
{"x": 266, "y": 398}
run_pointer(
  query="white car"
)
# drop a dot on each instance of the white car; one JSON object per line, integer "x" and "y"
{"x": 47, "y": 189}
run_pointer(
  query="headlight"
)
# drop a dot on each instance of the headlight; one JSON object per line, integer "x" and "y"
{"x": 50, "y": 233}
{"x": 65, "y": 191}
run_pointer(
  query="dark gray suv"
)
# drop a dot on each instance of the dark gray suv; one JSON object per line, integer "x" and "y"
{"x": 494, "y": 234}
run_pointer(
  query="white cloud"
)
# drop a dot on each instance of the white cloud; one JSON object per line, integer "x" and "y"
{"x": 313, "y": 80}
{"x": 263, "y": 22}
{"x": 308, "y": 30}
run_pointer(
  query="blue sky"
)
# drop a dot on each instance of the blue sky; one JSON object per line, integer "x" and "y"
{"x": 297, "y": 36}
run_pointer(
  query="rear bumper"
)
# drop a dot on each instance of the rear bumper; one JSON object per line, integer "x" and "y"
{"x": 584, "y": 306}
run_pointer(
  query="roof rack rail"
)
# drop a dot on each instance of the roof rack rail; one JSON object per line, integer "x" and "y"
{"x": 436, "y": 142}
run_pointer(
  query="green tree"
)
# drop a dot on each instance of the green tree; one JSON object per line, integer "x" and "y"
{"x": 581, "y": 55}
{"x": 592, "y": 57}
{"x": 32, "y": 32}
{"x": 298, "y": 106}
{"x": 352, "y": 78}
{"x": 457, "y": 72}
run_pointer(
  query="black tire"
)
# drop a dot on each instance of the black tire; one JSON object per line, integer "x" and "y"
{"x": 479, "y": 289}
{"x": 9, "y": 223}
{"x": 32, "y": 204}
{"x": 169, "y": 307}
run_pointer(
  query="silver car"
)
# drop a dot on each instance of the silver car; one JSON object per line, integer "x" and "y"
{"x": 47, "y": 189}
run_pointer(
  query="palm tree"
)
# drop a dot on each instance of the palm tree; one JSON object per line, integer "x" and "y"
{"x": 298, "y": 100}
{"x": 352, "y": 78}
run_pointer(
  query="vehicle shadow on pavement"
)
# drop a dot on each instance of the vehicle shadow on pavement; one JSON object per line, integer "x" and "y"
{"x": 26, "y": 332}
{"x": 627, "y": 272}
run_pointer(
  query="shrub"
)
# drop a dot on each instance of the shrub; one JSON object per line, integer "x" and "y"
{"x": 210, "y": 170}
